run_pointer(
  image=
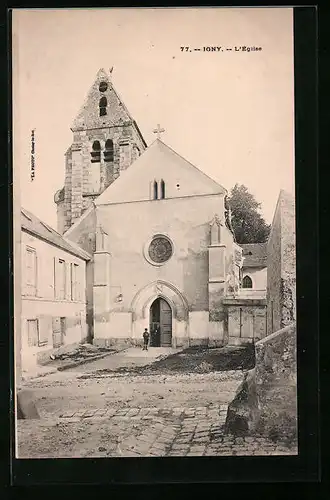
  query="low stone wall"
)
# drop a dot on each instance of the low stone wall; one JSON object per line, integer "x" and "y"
{"x": 276, "y": 381}
{"x": 243, "y": 411}
{"x": 266, "y": 402}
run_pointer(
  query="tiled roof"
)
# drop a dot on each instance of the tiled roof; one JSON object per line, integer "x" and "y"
{"x": 35, "y": 226}
{"x": 254, "y": 254}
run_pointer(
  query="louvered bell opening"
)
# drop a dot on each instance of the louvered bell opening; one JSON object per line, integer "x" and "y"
{"x": 108, "y": 155}
{"x": 95, "y": 156}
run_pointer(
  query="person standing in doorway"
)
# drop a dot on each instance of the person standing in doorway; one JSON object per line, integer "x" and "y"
{"x": 157, "y": 335}
{"x": 145, "y": 339}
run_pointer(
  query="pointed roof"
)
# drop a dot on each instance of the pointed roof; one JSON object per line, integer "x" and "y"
{"x": 33, "y": 225}
{"x": 255, "y": 254}
{"x": 215, "y": 221}
{"x": 88, "y": 116}
{"x": 159, "y": 161}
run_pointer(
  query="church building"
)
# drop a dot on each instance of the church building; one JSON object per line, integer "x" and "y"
{"x": 158, "y": 228}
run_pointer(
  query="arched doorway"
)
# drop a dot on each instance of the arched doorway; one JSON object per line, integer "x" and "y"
{"x": 160, "y": 323}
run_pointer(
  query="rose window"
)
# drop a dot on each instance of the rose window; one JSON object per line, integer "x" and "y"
{"x": 160, "y": 249}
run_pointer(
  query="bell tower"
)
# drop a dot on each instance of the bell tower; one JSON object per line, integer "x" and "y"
{"x": 106, "y": 140}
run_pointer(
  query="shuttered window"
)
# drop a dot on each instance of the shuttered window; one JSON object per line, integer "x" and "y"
{"x": 32, "y": 331}
{"x": 44, "y": 330}
{"x": 31, "y": 271}
{"x": 75, "y": 285}
{"x": 60, "y": 279}
{"x": 38, "y": 332}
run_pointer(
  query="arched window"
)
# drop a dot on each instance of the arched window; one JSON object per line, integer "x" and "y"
{"x": 162, "y": 189}
{"x": 155, "y": 190}
{"x": 103, "y": 106}
{"x": 108, "y": 152}
{"x": 103, "y": 86}
{"x": 247, "y": 282}
{"x": 96, "y": 152}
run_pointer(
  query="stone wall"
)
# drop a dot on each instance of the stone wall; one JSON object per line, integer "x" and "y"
{"x": 281, "y": 266}
{"x": 288, "y": 251}
{"x": 276, "y": 382}
{"x": 266, "y": 401}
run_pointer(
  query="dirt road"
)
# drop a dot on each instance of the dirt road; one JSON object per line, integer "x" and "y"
{"x": 132, "y": 403}
{"x": 72, "y": 390}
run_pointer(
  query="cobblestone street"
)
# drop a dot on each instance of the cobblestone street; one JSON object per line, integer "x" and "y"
{"x": 153, "y": 432}
{"x": 179, "y": 432}
{"x": 91, "y": 414}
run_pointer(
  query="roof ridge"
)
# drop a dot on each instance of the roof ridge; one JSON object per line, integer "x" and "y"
{"x": 48, "y": 226}
{"x": 191, "y": 164}
{"x": 54, "y": 237}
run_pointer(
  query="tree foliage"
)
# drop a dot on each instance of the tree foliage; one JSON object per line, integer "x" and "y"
{"x": 248, "y": 224}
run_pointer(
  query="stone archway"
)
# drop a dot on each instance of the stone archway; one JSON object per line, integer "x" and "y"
{"x": 143, "y": 300}
{"x": 160, "y": 321}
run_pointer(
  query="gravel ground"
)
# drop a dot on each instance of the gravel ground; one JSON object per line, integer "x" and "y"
{"x": 129, "y": 380}
{"x": 192, "y": 360}
{"x": 62, "y": 392}
{"x": 53, "y": 437}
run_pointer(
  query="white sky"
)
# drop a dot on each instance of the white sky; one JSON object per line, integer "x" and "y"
{"x": 229, "y": 113}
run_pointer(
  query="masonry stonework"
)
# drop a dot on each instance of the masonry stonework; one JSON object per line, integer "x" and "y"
{"x": 103, "y": 145}
{"x": 276, "y": 381}
{"x": 266, "y": 402}
{"x": 281, "y": 266}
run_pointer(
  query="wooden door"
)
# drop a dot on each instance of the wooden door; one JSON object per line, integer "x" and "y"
{"x": 155, "y": 324}
{"x": 234, "y": 322}
{"x": 33, "y": 334}
{"x": 165, "y": 324}
{"x": 63, "y": 329}
{"x": 247, "y": 324}
{"x": 260, "y": 324}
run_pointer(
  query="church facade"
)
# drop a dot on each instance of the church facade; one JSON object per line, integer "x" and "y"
{"x": 164, "y": 254}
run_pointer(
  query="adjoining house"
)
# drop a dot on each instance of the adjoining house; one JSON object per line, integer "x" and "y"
{"x": 254, "y": 270}
{"x": 53, "y": 284}
{"x": 246, "y": 309}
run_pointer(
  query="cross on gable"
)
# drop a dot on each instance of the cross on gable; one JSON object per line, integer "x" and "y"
{"x": 158, "y": 131}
